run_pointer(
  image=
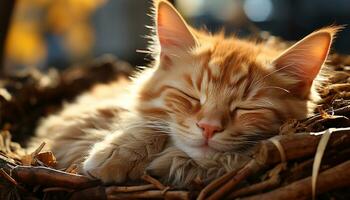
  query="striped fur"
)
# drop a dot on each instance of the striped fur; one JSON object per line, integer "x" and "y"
{"x": 249, "y": 88}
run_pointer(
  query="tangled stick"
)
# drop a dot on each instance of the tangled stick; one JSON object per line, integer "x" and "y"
{"x": 151, "y": 194}
{"x": 92, "y": 193}
{"x": 267, "y": 154}
{"x": 128, "y": 192}
{"x": 256, "y": 188}
{"x": 333, "y": 112}
{"x": 50, "y": 177}
{"x": 154, "y": 182}
{"x": 299, "y": 145}
{"x": 273, "y": 181}
{"x": 120, "y": 189}
{"x": 250, "y": 168}
{"x": 215, "y": 184}
{"x": 336, "y": 177}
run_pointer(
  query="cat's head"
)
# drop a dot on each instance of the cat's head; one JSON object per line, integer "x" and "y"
{"x": 224, "y": 94}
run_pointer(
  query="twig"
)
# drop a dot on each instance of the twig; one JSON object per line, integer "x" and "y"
{"x": 250, "y": 168}
{"x": 215, "y": 184}
{"x": 92, "y": 193}
{"x": 151, "y": 194}
{"x": 111, "y": 190}
{"x": 59, "y": 189}
{"x": 50, "y": 177}
{"x": 335, "y": 121}
{"x": 256, "y": 188}
{"x": 6, "y": 163}
{"x": 301, "y": 170}
{"x": 37, "y": 150}
{"x": 272, "y": 182}
{"x": 29, "y": 159}
{"x": 297, "y": 146}
{"x": 336, "y": 177}
{"x": 4, "y": 174}
{"x": 340, "y": 111}
{"x": 8, "y": 177}
{"x": 153, "y": 181}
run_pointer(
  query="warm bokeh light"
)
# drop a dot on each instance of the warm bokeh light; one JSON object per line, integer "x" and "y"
{"x": 258, "y": 10}
{"x": 36, "y": 23}
{"x": 46, "y": 33}
{"x": 25, "y": 44}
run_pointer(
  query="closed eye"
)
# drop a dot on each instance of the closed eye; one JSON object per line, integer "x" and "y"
{"x": 186, "y": 94}
{"x": 248, "y": 108}
{"x": 189, "y": 96}
{"x": 256, "y": 109}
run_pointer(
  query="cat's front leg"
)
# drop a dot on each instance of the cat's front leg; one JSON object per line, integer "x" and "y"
{"x": 122, "y": 156}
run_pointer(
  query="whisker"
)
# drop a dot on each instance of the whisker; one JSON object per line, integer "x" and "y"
{"x": 276, "y": 87}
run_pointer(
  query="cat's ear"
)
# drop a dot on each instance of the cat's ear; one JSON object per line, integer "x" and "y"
{"x": 172, "y": 30}
{"x": 304, "y": 59}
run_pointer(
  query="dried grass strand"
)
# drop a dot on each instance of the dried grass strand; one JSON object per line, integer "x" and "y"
{"x": 279, "y": 148}
{"x": 321, "y": 147}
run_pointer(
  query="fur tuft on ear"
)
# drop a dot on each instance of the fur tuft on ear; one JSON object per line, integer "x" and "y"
{"x": 172, "y": 30}
{"x": 303, "y": 60}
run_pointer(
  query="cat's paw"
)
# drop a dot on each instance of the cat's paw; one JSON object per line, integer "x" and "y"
{"x": 120, "y": 158}
{"x": 173, "y": 166}
{"x": 113, "y": 164}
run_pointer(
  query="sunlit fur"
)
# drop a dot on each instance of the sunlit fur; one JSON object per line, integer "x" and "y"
{"x": 116, "y": 134}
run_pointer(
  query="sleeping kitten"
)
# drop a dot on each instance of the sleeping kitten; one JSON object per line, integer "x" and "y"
{"x": 197, "y": 112}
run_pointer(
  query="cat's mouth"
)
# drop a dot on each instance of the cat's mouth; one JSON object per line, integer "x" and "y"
{"x": 208, "y": 146}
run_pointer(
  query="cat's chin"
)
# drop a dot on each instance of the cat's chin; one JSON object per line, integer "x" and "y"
{"x": 198, "y": 152}
{"x": 206, "y": 150}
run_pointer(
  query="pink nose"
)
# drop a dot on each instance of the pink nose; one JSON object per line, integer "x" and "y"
{"x": 209, "y": 129}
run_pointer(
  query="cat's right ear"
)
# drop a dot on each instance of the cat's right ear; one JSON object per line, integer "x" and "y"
{"x": 303, "y": 60}
{"x": 172, "y": 30}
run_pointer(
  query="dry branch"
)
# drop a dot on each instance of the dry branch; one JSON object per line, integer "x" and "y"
{"x": 299, "y": 145}
{"x": 304, "y": 169}
{"x": 267, "y": 154}
{"x": 154, "y": 182}
{"x": 250, "y": 168}
{"x": 8, "y": 177}
{"x": 216, "y": 184}
{"x": 256, "y": 188}
{"x": 151, "y": 194}
{"x": 120, "y": 189}
{"x": 334, "y": 178}
{"x": 92, "y": 193}
{"x": 50, "y": 177}
{"x": 128, "y": 192}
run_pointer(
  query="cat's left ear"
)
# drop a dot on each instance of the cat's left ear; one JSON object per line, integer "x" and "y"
{"x": 304, "y": 59}
{"x": 172, "y": 30}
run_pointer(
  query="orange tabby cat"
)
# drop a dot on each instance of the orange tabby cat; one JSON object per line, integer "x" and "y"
{"x": 196, "y": 112}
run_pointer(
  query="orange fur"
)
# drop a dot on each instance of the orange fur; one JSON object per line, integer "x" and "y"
{"x": 245, "y": 89}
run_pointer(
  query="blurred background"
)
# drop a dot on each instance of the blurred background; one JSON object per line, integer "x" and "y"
{"x": 46, "y": 33}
